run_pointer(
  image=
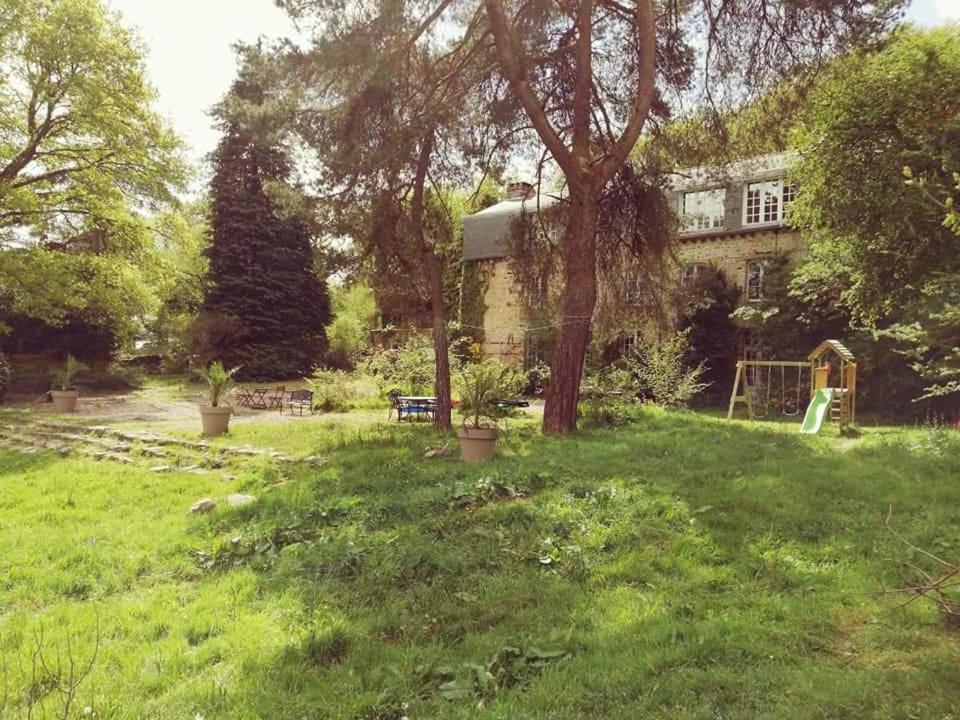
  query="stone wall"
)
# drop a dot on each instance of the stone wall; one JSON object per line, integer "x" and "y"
{"x": 504, "y": 323}
{"x": 731, "y": 253}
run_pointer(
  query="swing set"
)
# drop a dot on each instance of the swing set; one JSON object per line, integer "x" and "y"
{"x": 755, "y": 385}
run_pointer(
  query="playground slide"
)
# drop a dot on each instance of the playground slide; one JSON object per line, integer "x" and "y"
{"x": 817, "y": 411}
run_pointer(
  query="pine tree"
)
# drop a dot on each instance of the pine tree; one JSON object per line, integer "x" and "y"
{"x": 265, "y": 306}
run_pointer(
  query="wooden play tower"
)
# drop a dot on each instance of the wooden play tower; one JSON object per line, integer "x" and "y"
{"x": 844, "y": 409}
{"x": 839, "y": 383}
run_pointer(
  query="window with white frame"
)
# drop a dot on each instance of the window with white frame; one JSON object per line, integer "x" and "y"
{"x": 767, "y": 202}
{"x": 755, "y": 271}
{"x": 703, "y": 209}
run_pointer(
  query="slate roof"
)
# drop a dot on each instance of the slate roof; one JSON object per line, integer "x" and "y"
{"x": 485, "y": 233}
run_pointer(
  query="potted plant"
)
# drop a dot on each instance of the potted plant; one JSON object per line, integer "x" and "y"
{"x": 65, "y": 392}
{"x": 215, "y": 417}
{"x": 481, "y": 384}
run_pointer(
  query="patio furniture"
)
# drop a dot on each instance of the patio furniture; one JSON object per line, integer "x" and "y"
{"x": 276, "y": 400}
{"x": 244, "y": 398}
{"x": 258, "y": 399}
{"x": 410, "y": 407}
{"x": 299, "y": 399}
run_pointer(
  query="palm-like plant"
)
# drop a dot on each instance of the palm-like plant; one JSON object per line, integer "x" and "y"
{"x": 481, "y": 384}
{"x": 219, "y": 380}
{"x": 64, "y": 378}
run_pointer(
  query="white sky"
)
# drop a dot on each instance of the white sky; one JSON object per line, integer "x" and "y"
{"x": 191, "y": 62}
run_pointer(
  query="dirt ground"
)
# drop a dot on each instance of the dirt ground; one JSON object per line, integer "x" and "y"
{"x": 174, "y": 406}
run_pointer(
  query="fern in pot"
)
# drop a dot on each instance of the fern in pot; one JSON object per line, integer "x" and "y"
{"x": 65, "y": 392}
{"x": 481, "y": 385}
{"x": 215, "y": 417}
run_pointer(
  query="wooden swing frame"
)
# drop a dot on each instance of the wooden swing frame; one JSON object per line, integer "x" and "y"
{"x": 845, "y": 395}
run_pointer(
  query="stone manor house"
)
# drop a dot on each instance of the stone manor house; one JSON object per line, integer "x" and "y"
{"x": 731, "y": 219}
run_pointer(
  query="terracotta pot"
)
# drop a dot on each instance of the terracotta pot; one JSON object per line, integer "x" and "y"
{"x": 477, "y": 445}
{"x": 65, "y": 401}
{"x": 216, "y": 420}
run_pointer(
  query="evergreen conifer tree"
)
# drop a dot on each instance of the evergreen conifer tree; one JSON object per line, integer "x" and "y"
{"x": 265, "y": 307}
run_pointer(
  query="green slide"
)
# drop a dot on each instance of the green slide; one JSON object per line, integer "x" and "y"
{"x": 817, "y": 411}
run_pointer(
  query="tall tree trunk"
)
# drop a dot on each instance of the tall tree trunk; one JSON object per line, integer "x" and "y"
{"x": 441, "y": 346}
{"x": 441, "y": 388}
{"x": 579, "y": 249}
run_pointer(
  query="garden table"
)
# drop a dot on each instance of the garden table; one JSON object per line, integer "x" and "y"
{"x": 414, "y": 406}
{"x": 258, "y": 399}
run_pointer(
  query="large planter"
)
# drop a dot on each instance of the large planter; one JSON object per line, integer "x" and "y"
{"x": 477, "y": 445}
{"x": 216, "y": 420}
{"x": 65, "y": 401}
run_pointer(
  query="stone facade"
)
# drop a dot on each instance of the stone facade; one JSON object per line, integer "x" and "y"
{"x": 731, "y": 253}
{"x": 504, "y": 324}
{"x": 734, "y": 234}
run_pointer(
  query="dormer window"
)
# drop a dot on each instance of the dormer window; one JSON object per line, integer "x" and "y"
{"x": 767, "y": 202}
{"x": 703, "y": 209}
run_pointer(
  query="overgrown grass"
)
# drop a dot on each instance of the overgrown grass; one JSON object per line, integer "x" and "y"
{"x": 679, "y": 567}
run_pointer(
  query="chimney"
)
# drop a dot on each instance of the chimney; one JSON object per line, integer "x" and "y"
{"x": 519, "y": 190}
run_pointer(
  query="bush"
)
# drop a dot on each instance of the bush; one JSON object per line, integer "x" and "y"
{"x": 5, "y": 374}
{"x": 409, "y": 368}
{"x": 607, "y": 395}
{"x": 662, "y": 375}
{"x": 536, "y": 379}
{"x": 355, "y": 312}
{"x": 333, "y": 390}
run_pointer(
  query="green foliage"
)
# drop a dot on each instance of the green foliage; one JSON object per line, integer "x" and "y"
{"x": 82, "y": 156}
{"x": 219, "y": 381}
{"x": 80, "y": 139}
{"x": 182, "y": 236}
{"x": 108, "y": 293}
{"x": 879, "y": 244}
{"x": 607, "y": 395}
{"x": 409, "y": 368}
{"x": 333, "y": 390}
{"x": 482, "y": 383}
{"x": 65, "y": 378}
{"x": 5, "y": 375}
{"x": 662, "y": 374}
{"x": 261, "y": 263}
{"x": 474, "y": 283}
{"x": 713, "y": 337}
{"x": 354, "y": 316}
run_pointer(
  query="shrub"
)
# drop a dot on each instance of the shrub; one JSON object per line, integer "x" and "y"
{"x": 536, "y": 379}
{"x": 5, "y": 374}
{"x": 408, "y": 368}
{"x": 662, "y": 375}
{"x": 355, "y": 312}
{"x": 333, "y": 390}
{"x": 606, "y": 396}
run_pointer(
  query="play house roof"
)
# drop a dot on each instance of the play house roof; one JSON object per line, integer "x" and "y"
{"x": 838, "y": 347}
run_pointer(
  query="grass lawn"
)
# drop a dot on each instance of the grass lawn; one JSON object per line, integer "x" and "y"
{"x": 680, "y": 567}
